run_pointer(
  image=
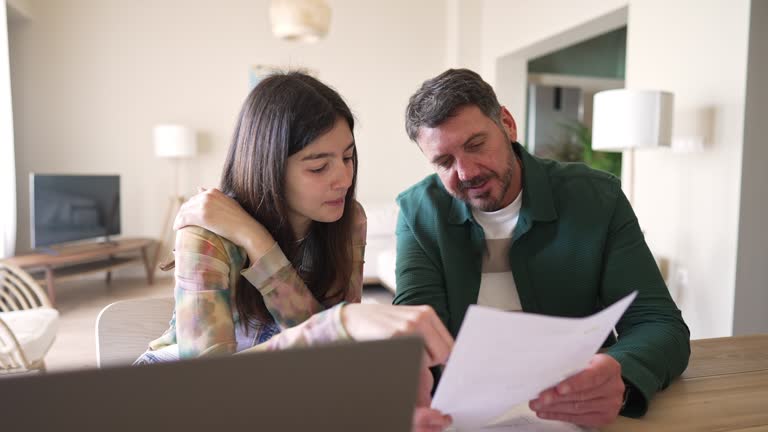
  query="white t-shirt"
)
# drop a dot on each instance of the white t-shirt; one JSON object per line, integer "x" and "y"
{"x": 497, "y": 285}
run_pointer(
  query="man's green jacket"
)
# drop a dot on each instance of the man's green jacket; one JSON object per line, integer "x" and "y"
{"x": 577, "y": 248}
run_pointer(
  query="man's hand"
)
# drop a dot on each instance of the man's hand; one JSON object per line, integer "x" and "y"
{"x": 426, "y": 419}
{"x": 592, "y": 398}
{"x": 426, "y": 381}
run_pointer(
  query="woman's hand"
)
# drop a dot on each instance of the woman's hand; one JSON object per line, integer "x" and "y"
{"x": 218, "y": 213}
{"x": 380, "y": 321}
{"x": 377, "y": 321}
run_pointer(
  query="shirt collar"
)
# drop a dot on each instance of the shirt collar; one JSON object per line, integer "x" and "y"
{"x": 537, "y": 193}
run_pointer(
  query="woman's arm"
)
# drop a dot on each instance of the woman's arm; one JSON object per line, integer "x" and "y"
{"x": 374, "y": 321}
{"x": 204, "y": 324}
{"x": 361, "y": 322}
{"x": 286, "y": 296}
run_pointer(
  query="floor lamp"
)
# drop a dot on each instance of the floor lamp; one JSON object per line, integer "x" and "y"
{"x": 174, "y": 142}
{"x": 626, "y": 120}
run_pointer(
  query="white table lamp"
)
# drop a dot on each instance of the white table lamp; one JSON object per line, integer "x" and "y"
{"x": 175, "y": 142}
{"x": 631, "y": 119}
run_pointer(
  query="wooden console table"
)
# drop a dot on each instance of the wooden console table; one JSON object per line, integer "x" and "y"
{"x": 78, "y": 260}
{"x": 725, "y": 388}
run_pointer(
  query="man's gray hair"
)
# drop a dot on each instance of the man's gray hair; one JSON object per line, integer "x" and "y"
{"x": 438, "y": 98}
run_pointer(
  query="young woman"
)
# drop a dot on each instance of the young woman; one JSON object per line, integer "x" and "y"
{"x": 274, "y": 259}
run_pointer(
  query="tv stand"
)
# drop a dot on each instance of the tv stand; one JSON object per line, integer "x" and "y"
{"x": 70, "y": 249}
{"x": 70, "y": 262}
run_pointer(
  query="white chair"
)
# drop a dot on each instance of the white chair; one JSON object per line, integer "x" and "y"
{"x": 125, "y": 328}
{"x": 28, "y": 323}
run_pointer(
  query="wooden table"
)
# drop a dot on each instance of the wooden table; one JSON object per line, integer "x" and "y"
{"x": 78, "y": 260}
{"x": 725, "y": 388}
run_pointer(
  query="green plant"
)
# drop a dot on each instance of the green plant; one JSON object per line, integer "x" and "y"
{"x": 566, "y": 150}
{"x": 580, "y": 134}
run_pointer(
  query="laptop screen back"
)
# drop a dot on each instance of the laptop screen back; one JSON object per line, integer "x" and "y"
{"x": 367, "y": 386}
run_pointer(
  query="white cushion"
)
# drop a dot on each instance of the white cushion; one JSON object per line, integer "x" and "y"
{"x": 35, "y": 329}
{"x": 382, "y": 220}
{"x": 385, "y": 267}
{"x": 373, "y": 250}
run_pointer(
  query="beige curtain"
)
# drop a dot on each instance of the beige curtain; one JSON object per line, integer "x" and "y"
{"x": 7, "y": 156}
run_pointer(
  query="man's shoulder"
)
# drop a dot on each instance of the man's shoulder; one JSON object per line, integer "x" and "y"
{"x": 429, "y": 191}
{"x": 574, "y": 177}
{"x": 556, "y": 169}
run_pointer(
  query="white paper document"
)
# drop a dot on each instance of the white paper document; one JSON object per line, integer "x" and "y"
{"x": 504, "y": 359}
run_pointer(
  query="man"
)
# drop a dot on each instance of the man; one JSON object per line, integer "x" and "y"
{"x": 498, "y": 227}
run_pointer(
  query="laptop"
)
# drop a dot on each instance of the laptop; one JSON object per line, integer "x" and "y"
{"x": 368, "y": 386}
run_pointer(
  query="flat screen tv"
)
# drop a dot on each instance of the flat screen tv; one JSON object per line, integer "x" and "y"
{"x": 66, "y": 208}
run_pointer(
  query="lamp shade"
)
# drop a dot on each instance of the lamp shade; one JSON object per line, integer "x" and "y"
{"x": 174, "y": 141}
{"x": 300, "y": 20}
{"x": 630, "y": 119}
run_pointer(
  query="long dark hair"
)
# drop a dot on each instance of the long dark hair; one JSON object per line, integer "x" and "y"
{"x": 282, "y": 115}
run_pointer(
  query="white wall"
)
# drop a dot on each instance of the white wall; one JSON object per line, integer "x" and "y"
{"x": 464, "y": 34}
{"x": 91, "y": 78}
{"x": 688, "y": 204}
{"x": 513, "y": 25}
{"x": 18, "y": 9}
{"x": 515, "y": 31}
{"x": 7, "y": 166}
{"x": 751, "y": 300}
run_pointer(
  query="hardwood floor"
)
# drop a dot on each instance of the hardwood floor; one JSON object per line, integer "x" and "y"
{"x": 79, "y": 303}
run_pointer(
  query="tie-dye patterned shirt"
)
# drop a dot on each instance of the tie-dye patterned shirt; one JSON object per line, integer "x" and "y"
{"x": 205, "y": 319}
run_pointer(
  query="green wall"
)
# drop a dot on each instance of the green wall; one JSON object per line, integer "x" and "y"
{"x": 603, "y": 56}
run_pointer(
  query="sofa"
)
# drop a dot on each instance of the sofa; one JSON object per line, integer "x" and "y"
{"x": 380, "y": 244}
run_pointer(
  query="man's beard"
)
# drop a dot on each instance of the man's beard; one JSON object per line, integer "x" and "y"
{"x": 487, "y": 202}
